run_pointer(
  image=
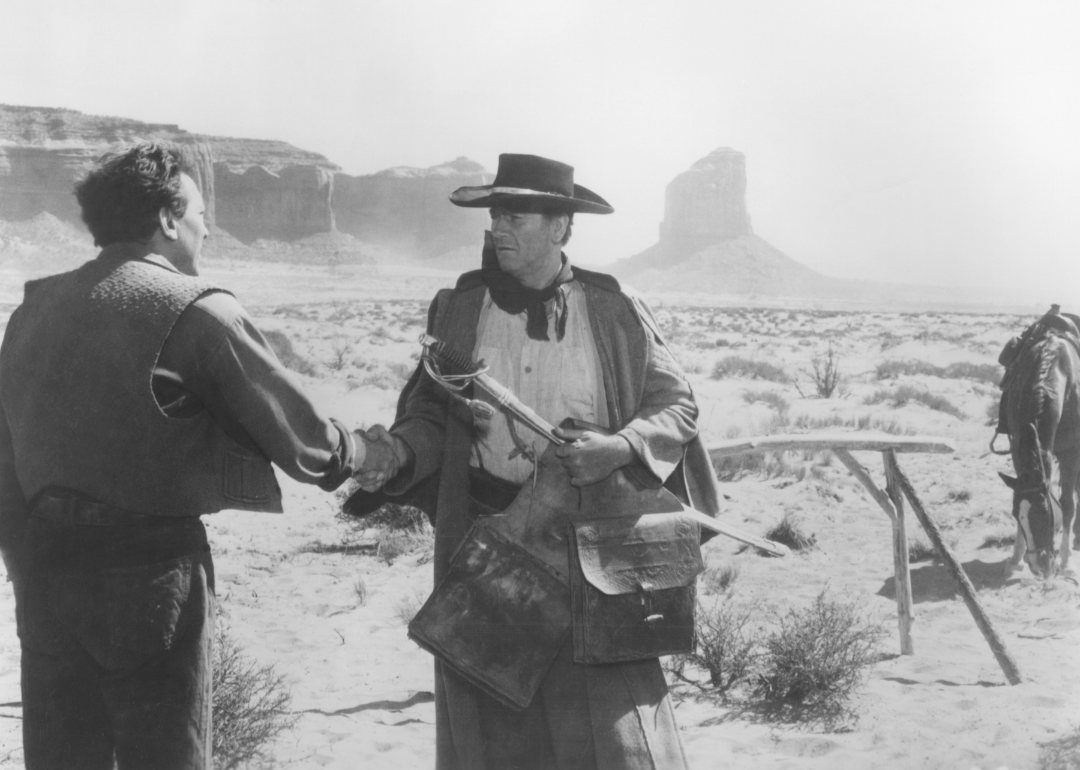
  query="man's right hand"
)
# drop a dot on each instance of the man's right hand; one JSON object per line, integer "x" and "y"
{"x": 386, "y": 454}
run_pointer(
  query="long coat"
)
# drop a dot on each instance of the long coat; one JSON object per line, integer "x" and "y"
{"x": 620, "y": 713}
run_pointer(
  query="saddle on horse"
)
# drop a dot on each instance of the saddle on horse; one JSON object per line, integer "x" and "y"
{"x": 1054, "y": 324}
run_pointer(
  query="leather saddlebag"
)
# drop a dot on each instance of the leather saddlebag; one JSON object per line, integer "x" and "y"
{"x": 498, "y": 617}
{"x": 632, "y": 583}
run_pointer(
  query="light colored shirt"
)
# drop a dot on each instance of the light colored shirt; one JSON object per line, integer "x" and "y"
{"x": 556, "y": 378}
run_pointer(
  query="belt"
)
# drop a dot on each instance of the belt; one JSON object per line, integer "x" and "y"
{"x": 71, "y": 511}
{"x": 488, "y": 489}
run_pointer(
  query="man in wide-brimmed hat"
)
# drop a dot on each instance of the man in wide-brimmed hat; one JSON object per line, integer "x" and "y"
{"x": 569, "y": 343}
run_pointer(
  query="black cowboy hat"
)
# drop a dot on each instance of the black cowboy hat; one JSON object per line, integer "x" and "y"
{"x": 530, "y": 179}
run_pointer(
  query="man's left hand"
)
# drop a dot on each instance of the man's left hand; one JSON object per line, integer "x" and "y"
{"x": 592, "y": 457}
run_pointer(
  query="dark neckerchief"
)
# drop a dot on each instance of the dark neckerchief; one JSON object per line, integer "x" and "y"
{"x": 511, "y": 297}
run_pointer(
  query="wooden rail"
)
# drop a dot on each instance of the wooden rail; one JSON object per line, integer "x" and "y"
{"x": 891, "y": 501}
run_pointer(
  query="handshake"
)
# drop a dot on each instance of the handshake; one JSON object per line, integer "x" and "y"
{"x": 384, "y": 455}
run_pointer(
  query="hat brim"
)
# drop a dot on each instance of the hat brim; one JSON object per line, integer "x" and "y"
{"x": 585, "y": 201}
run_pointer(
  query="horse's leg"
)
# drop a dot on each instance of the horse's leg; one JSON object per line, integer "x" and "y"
{"x": 1069, "y": 466}
{"x": 1019, "y": 547}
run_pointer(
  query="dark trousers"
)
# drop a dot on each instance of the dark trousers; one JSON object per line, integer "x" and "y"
{"x": 116, "y": 623}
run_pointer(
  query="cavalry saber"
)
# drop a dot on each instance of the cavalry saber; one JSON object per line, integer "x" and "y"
{"x": 465, "y": 369}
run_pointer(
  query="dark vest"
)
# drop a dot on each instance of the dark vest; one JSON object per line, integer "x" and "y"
{"x": 75, "y": 386}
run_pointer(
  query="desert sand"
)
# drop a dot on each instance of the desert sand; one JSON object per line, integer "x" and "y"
{"x": 362, "y": 690}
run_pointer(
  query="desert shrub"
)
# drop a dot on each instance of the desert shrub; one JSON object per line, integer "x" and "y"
{"x": 904, "y": 394}
{"x": 815, "y": 658}
{"x": 961, "y": 370}
{"x": 340, "y": 352}
{"x": 283, "y": 349}
{"x": 789, "y": 532}
{"x": 768, "y": 464}
{"x": 890, "y": 370}
{"x": 717, "y": 580}
{"x": 1062, "y": 753}
{"x": 858, "y": 422}
{"x": 391, "y": 516}
{"x": 920, "y": 550}
{"x": 391, "y": 544}
{"x": 958, "y": 495}
{"x": 408, "y": 604}
{"x": 999, "y": 540}
{"x": 770, "y": 397}
{"x": 824, "y": 372}
{"x": 361, "y": 591}
{"x": 250, "y": 706}
{"x": 737, "y": 366}
{"x": 725, "y": 647}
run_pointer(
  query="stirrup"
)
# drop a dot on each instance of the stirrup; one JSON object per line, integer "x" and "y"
{"x": 994, "y": 441}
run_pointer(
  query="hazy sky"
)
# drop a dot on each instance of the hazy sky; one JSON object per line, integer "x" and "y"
{"x": 927, "y": 142}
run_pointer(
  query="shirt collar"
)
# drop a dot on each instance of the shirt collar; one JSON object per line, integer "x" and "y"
{"x": 127, "y": 251}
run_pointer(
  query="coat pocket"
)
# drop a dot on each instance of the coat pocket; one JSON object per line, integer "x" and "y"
{"x": 249, "y": 479}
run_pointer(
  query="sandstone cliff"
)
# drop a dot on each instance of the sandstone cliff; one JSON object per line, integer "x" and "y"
{"x": 254, "y": 189}
{"x": 407, "y": 208}
{"x": 43, "y": 150}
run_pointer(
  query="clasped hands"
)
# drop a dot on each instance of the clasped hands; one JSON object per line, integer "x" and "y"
{"x": 587, "y": 457}
{"x": 385, "y": 455}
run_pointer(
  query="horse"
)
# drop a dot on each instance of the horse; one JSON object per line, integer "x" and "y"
{"x": 1040, "y": 410}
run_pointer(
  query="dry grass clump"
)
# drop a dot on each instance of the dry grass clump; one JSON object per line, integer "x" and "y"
{"x": 392, "y": 544}
{"x": 921, "y": 550}
{"x": 250, "y": 706}
{"x": 815, "y": 658}
{"x": 1062, "y": 753}
{"x": 961, "y": 370}
{"x": 725, "y": 647}
{"x": 283, "y": 349}
{"x": 408, "y": 604}
{"x": 717, "y": 580}
{"x": 999, "y": 540}
{"x": 856, "y": 422}
{"x": 789, "y": 532}
{"x": 770, "y": 398}
{"x": 748, "y": 368}
{"x": 904, "y": 394}
{"x": 768, "y": 464}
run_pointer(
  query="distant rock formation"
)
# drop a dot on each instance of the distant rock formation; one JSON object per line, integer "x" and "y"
{"x": 291, "y": 204}
{"x": 707, "y": 245}
{"x": 254, "y": 189}
{"x": 407, "y": 208}
{"x": 707, "y": 203}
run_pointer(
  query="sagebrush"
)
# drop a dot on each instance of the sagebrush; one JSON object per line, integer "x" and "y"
{"x": 814, "y": 659}
{"x": 725, "y": 648}
{"x": 250, "y": 705}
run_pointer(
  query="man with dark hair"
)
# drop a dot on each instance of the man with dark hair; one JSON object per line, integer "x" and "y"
{"x": 134, "y": 397}
{"x": 567, "y": 342}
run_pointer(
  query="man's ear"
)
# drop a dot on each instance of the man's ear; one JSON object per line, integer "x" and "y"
{"x": 558, "y": 230}
{"x": 167, "y": 224}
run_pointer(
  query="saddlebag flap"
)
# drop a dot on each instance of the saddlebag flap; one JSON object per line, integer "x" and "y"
{"x": 632, "y": 586}
{"x": 498, "y": 617}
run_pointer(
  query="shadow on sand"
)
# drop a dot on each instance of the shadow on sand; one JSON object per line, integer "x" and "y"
{"x": 934, "y": 582}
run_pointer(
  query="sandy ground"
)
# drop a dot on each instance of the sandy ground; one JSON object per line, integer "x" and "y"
{"x": 361, "y": 689}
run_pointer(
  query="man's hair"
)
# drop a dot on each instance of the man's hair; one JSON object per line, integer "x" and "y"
{"x": 124, "y": 191}
{"x": 552, "y": 213}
